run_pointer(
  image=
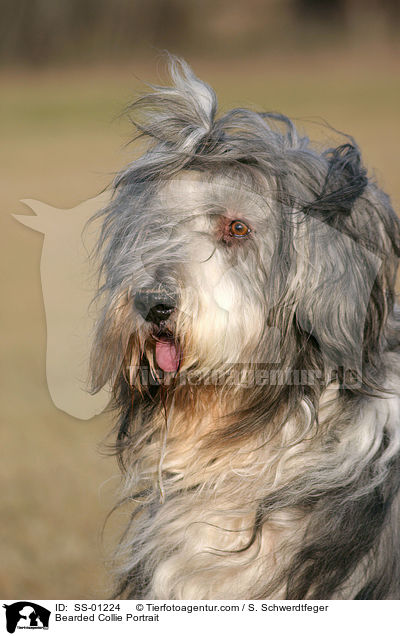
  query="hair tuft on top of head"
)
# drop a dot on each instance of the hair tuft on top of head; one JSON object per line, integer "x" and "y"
{"x": 200, "y": 94}
{"x": 176, "y": 116}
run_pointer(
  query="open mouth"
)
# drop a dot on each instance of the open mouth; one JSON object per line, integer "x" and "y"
{"x": 168, "y": 353}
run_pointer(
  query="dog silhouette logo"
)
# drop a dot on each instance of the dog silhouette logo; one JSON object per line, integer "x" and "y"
{"x": 26, "y": 615}
{"x": 67, "y": 289}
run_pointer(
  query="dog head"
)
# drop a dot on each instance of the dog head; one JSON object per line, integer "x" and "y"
{"x": 233, "y": 242}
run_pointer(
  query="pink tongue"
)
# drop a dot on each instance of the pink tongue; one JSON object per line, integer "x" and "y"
{"x": 167, "y": 355}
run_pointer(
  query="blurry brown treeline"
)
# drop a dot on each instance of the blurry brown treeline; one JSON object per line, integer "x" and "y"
{"x": 41, "y": 32}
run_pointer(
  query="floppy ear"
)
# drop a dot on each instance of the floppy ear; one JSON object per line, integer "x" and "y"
{"x": 345, "y": 181}
{"x": 338, "y": 261}
{"x": 333, "y": 295}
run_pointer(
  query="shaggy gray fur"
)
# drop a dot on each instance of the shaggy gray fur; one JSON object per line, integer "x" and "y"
{"x": 313, "y": 290}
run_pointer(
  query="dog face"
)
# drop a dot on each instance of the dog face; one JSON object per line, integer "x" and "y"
{"x": 199, "y": 276}
{"x": 232, "y": 241}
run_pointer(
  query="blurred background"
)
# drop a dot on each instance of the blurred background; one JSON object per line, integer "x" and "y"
{"x": 67, "y": 69}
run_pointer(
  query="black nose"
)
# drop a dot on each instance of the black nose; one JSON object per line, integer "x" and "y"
{"x": 154, "y": 306}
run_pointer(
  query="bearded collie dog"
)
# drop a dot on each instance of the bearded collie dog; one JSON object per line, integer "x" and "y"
{"x": 248, "y": 327}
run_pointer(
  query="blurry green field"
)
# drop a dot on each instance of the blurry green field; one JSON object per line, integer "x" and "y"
{"x": 61, "y": 145}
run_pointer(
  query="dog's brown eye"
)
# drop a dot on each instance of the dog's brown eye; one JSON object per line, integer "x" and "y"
{"x": 239, "y": 229}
